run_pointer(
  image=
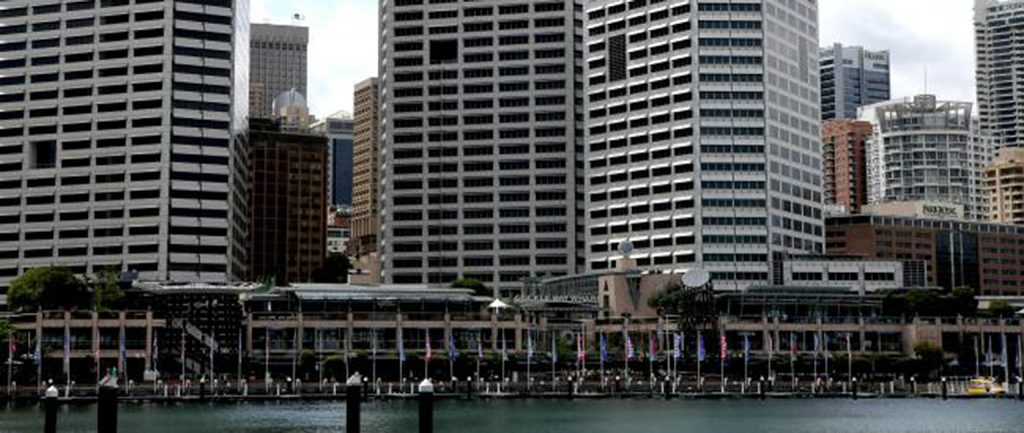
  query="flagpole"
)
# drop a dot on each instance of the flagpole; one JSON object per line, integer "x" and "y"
{"x": 746, "y": 359}
{"x": 1020, "y": 359}
{"x": 10, "y": 361}
{"x": 792, "y": 360}
{"x": 849, "y": 359}
{"x": 266, "y": 361}
{"x": 554, "y": 360}
{"x": 724, "y": 354}
{"x": 426, "y": 357}
{"x": 988, "y": 357}
{"x": 977, "y": 357}
{"x": 817, "y": 341}
{"x": 824, "y": 340}
{"x": 700, "y": 360}
{"x": 529, "y": 356}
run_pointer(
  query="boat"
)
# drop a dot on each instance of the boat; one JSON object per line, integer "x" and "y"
{"x": 985, "y": 386}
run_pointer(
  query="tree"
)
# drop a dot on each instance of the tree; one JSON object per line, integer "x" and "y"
{"x": 477, "y": 286}
{"x": 334, "y": 270}
{"x": 923, "y": 302}
{"x": 307, "y": 362}
{"x": 48, "y": 287}
{"x": 930, "y": 356}
{"x": 106, "y": 292}
{"x": 6, "y": 329}
{"x": 695, "y": 306}
{"x": 963, "y": 300}
{"x": 1001, "y": 308}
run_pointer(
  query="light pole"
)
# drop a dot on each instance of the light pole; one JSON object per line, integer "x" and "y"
{"x": 497, "y": 305}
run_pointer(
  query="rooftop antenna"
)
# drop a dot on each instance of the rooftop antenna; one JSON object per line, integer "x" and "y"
{"x": 926, "y": 78}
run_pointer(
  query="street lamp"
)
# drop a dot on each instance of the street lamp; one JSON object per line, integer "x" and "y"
{"x": 497, "y": 305}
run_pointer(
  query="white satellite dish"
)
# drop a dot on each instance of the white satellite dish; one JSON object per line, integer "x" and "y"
{"x": 696, "y": 278}
{"x": 625, "y": 248}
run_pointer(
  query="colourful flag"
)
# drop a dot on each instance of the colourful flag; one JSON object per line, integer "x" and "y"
{"x": 725, "y": 352}
{"x": 554, "y": 349}
{"x": 529, "y": 346}
{"x": 452, "y": 353}
{"x": 479, "y": 346}
{"x": 504, "y": 347}
{"x": 581, "y": 354}
{"x": 426, "y": 341}
{"x": 816, "y": 343}
{"x": 629, "y": 347}
{"x": 652, "y": 345}
{"x": 700, "y": 348}
{"x": 604, "y": 348}
{"x": 38, "y": 355}
{"x": 156, "y": 350}
{"x": 746, "y": 348}
{"x": 677, "y": 346}
{"x": 792, "y": 344}
{"x": 771, "y": 344}
{"x": 12, "y": 347}
{"x": 373, "y": 344}
{"x": 121, "y": 352}
{"x": 401, "y": 347}
{"x": 67, "y": 350}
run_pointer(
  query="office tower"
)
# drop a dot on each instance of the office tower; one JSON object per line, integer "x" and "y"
{"x": 479, "y": 108}
{"x": 338, "y": 129}
{"x": 923, "y": 149}
{"x": 846, "y": 170}
{"x": 852, "y": 77}
{"x": 365, "y": 171}
{"x": 1004, "y": 187}
{"x": 278, "y": 64}
{"x": 289, "y": 203}
{"x": 998, "y": 50}
{"x": 123, "y": 138}
{"x": 703, "y": 145}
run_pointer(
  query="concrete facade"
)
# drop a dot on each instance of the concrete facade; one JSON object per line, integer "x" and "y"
{"x": 998, "y": 51}
{"x": 1004, "y": 187}
{"x": 278, "y": 64}
{"x": 852, "y": 77}
{"x": 126, "y": 147}
{"x": 703, "y": 135}
{"x": 479, "y": 110}
{"x": 365, "y": 168}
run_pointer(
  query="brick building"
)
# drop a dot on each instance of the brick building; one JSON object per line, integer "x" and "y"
{"x": 846, "y": 169}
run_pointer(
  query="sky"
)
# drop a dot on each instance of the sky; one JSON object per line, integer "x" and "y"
{"x": 936, "y": 36}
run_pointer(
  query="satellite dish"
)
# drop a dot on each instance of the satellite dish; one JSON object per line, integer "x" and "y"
{"x": 696, "y": 278}
{"x": 626, "y": 248}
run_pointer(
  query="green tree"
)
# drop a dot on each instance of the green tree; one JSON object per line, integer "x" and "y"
{"x": 1001, "y": 308}
{"x": 334, "y": 366}
{"x": 930, "y": 356}
{"x": 6, "y": 328}
{"x": 334, "y": 270}
{"x": 106, "y": 292}
{"x": 48, "y": 287}
{"x": 307, "y": 363}
{"x": 923, "y": 302}
{"x": 963, "y": 301}
{"x": 477, "y": 286}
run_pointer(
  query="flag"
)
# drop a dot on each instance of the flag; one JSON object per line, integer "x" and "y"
{"x": 581, "y": 354}
{"x": 746, "y": 348}
{"x": 629, "y": 347}
{"x": 770, "y": 345}
{"x": 828, "y": 354}
{"x": 401, "y": 348}
{"x": 452, "y": 353}
{"x": 373, "y": 344}
{"x": 988, "y": 351}
{"x": 504, "y": 347}
{"x": 67, "y": 351}
{"x": 652, "y": 346}
{"x": 725, "y": 350}
{"x": 153, "y": 355}
{"x": 430, "y": 352}
{"x": 1005, "y": 360}
{"x": 38, "y": 355}
{"x": 479, "y": 347}
{"x": 700, "y": 348}
{"x": 12, "y": 347}
{"x": 604, "y": 348}
{"x": 792, "y": 344}
{"x": 816, "y": 348}
{"x": 554, "y": 349}
{"x": 529, "y": 346}
{"x": 121, "y": 352}
{"x": 677, "y": 346}
{"x": 849, "y": 347}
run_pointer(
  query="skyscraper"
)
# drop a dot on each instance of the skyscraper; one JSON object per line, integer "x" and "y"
{"x": 998, "y": 51}
{"x": 479, "y": 140}
{"x": 703, "y": 145}
{"x": 923, "y": 149}
{"x": 278, "y": 64}
{"x": 852, "y": 77}
{"x": 338, "y": 129}
{"x": 123, "y": 138}
{"x": 846, "y": 165}
{"x": 365, "y": 170}
{"x": 1004, "y": 187}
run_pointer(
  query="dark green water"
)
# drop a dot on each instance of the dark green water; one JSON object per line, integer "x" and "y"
{"x": 606, "y": 416}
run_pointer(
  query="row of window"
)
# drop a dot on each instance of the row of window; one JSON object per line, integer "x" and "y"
{"x": 478, "y": 150}
{"x": 478, "y": 213}
{"x": 479, "y": 87}
{"x": 469, "y": 198}
{"x": 478, "y": 182}
{"x": 482, "y": 11}
{"x": 478, "y": 229}
{"x": 480, "y": 245}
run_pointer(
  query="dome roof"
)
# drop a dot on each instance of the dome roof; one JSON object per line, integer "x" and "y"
{"x": 291, "y": 98}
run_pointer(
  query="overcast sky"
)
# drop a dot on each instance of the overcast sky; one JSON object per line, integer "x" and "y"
{"x": 936, "y": 35}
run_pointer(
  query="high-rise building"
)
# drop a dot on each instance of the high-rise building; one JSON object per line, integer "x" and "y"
{"x": 924, "y": 149}
{"x": 846, "y": 169}
{"x": 289, "y": 203}
{"x": 1004, "y": 187}
{"x": 278, "y": 64}
{"x": 365, "y": 171}
{"x": 338, "y": 129}
{"x": 480, "y": 107}
{"x": 852, "y": 77}
{"x": 123, "y": 138}
{"x": 998, "y": 50}
{"x": 703, "y": 145}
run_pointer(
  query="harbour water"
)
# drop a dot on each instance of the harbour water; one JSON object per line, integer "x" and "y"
{"x": 555, "y": 416}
